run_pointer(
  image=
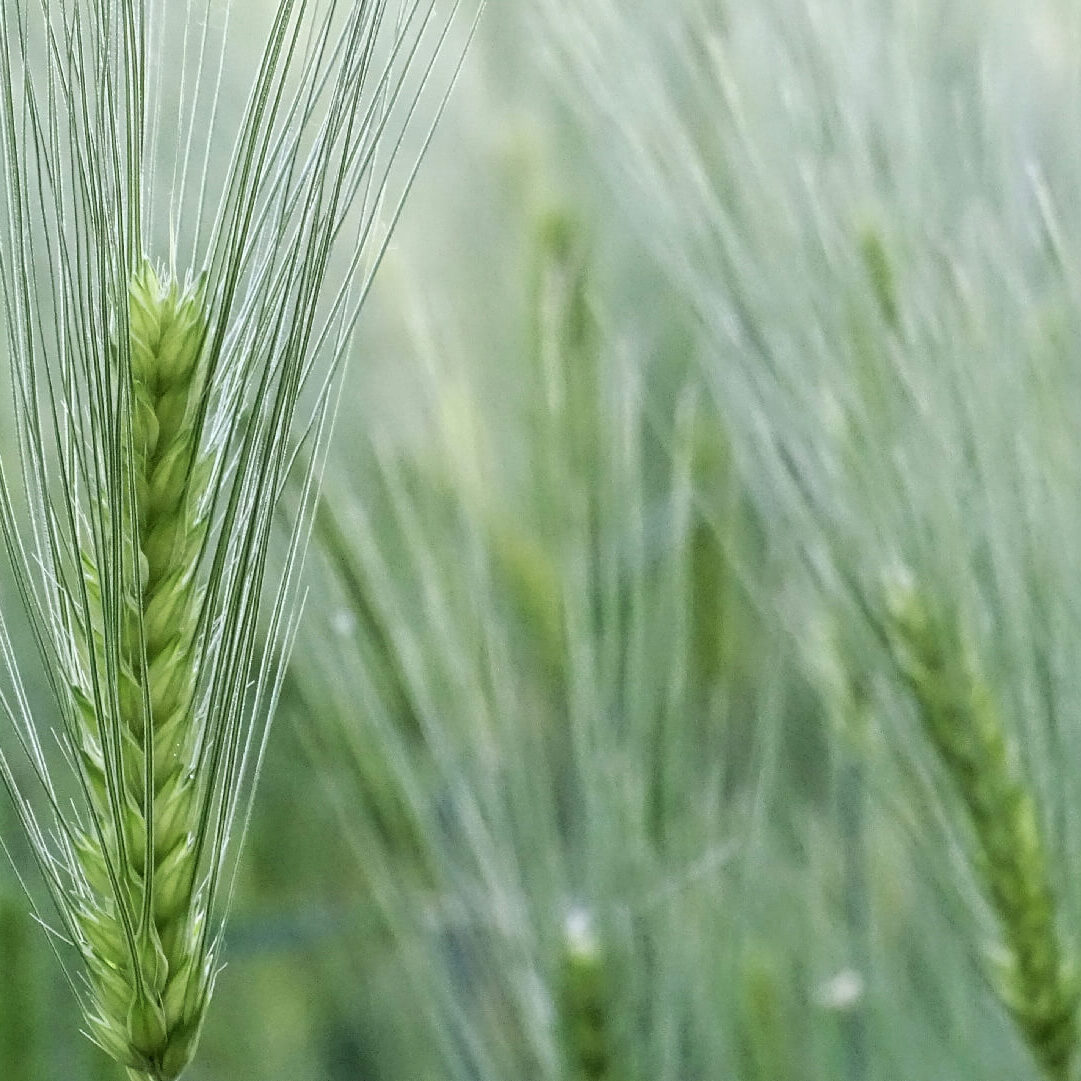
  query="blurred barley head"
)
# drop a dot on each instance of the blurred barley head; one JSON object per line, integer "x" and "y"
{"x": 528, "y": 721}
{"x": 189, "y": 228}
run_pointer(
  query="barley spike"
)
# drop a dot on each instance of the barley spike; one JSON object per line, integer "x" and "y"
{"x": 1035, "y": 979}
{"x": 142, "y": 932}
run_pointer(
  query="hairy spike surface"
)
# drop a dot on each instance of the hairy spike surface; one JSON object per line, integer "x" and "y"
{"x": 1036, "y": 978}
{"x": 150, "y": 967}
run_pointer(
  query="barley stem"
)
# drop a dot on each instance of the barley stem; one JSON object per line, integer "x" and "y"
{"x": 585, "y": 1003}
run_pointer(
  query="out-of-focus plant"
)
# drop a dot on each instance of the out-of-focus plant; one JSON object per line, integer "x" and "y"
{"x": 540, "y": 739}
{"x": 871, "y": 209}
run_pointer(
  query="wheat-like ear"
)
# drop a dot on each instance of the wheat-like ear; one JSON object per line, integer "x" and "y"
{"x": 159, "y": 413}
{"x": 1036, "y": 977}
{"x": 142, "y": 915}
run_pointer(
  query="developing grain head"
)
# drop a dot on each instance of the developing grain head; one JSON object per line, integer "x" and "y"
{"x": 1036, "y": 978}
{"x": 158, "y": 414}
{"x": 142, "y": 937}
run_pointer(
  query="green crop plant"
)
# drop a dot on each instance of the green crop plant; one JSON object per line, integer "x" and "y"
{"x": 1035, "y": 974}
{"x": 529, "y": 703}
{"x": 176, "y": 340}
{"x": 876, "y": 230}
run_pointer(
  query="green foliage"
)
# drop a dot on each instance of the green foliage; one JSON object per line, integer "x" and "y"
{"x": 520, "y": 688}
{"x": 704, "y": 321}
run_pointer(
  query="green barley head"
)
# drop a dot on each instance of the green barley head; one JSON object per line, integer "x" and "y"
{"x": 1035, "y": 975}
{"x": 176, "y": 331}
